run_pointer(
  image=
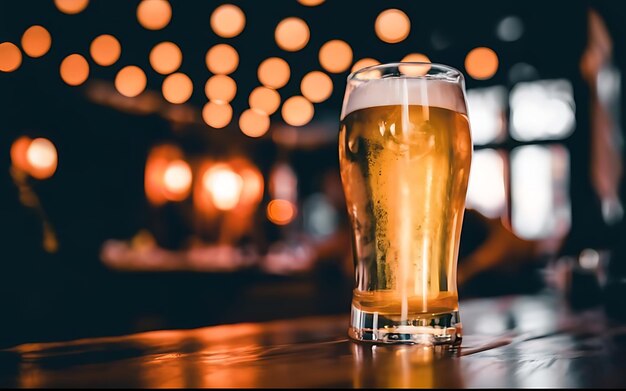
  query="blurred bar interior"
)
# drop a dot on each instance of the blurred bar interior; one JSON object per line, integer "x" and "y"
{"x": 173, "y": 164}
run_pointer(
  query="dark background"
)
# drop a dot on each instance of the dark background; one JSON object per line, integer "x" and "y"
{"x": 97, "y": 192}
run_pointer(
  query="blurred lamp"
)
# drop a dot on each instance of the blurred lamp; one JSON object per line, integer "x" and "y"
{"x": 36, "y": 41}
{"x": 392, "y": 26}
{"x": 217, "y": 115}
{"x": 292, "y": 34}
{"x": 274, "y": 72}
{"x": 74, "y": 69}
{"x": 228, "y": 21}
{"x": 166, "y": 58}
{"x": 10, "y": 57}
{"x": 224, "y": 186}
{"x": 222, "y": 59}
{"x": 254, "y": 123}
{"x": 130, "y": 81}
{"x": 71, "y": 6}
{"x": 316, "y": 86}
{"x": 220, "y": 88}
{"x": 481, "y": 63}
{"x": 265, "y": 99}
{"x": 297, "y": 111}
{"x": 177, "y": 88}
{"x": 335, "y": 56}
{"x": 105, "y": 50}
{"x": 154, "y": 14}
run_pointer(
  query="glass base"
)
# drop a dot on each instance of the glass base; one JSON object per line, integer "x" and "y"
{"x": 423, "y": 329}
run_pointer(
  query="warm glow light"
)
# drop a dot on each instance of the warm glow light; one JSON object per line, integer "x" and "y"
{"x": 154, "y": 14}
{"x": 10, "y": 57}
{"x": 228, "y": 21}
{"x": 265, "y": 99}
{"x": 415, "y": 70}
{"x": 335, "y": 56}
{"x": 310, "y": 3}
{"x": 130, "y": 81}
{"x": 392, "y": 26}
{"x": 316, "y": 86}
{"x": 161, "y": 186}
{"x": 281, "y": 212}
{"x": 274, "y": 72}
{"x": 220, "y": 89}
{"x": 222, "y": 59}
{"x": 105, "y": 50}
{"x": 166, "y": 58}
{"x": 224, "y": 185}
{"x": 297, "y": 111}
{"x": 42, "y": 158}
{"x": 217, "y": 115}
{"x": 481, "y": 63}
{"x": 364, "y": 63}
{"x": 177, "y": 180}
{"x": 177, "y": 88}
{"x": 254, "y": 123}
{"x": 36, "y": 41}
{"x": 292, "y": 34}
{"x": 74, "y": 69}
{"x": 71, "y": 6}
{"x": 19, "y": 148}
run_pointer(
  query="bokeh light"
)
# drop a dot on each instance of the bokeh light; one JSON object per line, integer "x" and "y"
{"x": 166, "y": 58}
{"x": 224, "y": 185}
{"x": 105, "y": 50}
{"x": 254, "y": 123}
{"x": 335, "y": 56}
{"x": 481, "y": 63}
{"x": 71, "y": 6}
{"x": 281, "y": 212}
{"x": 297, "y": 111}
{"x": 392, "y": 26}
{"x": 74, "y": 69}
{"x": 228, "y": 21}
{"x": 217, "y": 115}
{"x": 265, "y": 99}
{"x": 177, "y": 88}
{"x": 10, "y": 57}
{"x": 19, "y": 148}
{"x": 364, "y": 63}
{"x": 36, "y": 41}
{"x": 160, "y": 186}
{"x": 415, "y": 70}
{"x": 177, "y": 180}
{"x": 316, "y": 86}
{"x": 311, "y": 3}
{"x": 130, "y": 81}
{"x": 154, "y": 14}
{"x": 292, "y": 34}
{"x": 220, "y": 88}
{"x": 42, "y": 158}
{"x": 274, "y": 72}
{"x": 222, "y": 59}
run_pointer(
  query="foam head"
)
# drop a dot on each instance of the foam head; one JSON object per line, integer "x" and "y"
{"x": 444, "y": 90}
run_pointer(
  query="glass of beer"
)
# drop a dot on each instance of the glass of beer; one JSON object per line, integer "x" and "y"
{"x": 405, "y": 151}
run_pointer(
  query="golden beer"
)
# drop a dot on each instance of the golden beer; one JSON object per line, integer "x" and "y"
{"x": 405, "y": 170}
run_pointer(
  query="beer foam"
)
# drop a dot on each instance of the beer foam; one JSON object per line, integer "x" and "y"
{"x": 400, "y": 91}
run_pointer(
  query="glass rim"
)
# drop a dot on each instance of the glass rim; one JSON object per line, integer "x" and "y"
{"x": 451, "y": 72}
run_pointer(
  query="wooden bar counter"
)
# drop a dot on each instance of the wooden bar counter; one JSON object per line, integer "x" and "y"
{"x": 516, "y": 341}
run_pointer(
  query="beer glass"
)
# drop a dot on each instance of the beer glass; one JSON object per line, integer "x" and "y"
{"x": 405, "y": 151}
